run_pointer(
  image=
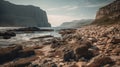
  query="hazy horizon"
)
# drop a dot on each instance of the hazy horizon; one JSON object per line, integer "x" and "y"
{"x": 59, "y": 11}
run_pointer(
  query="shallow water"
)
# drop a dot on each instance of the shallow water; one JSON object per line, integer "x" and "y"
{"x": 22, "y": 37}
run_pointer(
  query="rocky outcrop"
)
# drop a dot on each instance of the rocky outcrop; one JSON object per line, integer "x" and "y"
{"x": 22, "y": 16}
{"x": 109, "y": 14}
{"x": 7, "y": 35}
{"x": 10, "y": 53}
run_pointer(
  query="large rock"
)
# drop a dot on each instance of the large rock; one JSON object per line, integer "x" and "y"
{"x": 12, "y": 53}
{"x": 22, "y": 62}
{"x": 99, "y": 61}
{"x": 21, "y": 15}
{"x": 83, "y": 51}
{"x": 26, "y": 53}
{"x": 7, "y": 34}
{"x": 56, "y": 42}
{"x": 9, "y": 53}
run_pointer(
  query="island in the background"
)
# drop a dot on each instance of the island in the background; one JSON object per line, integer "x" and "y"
{"x": 76, "y": 23}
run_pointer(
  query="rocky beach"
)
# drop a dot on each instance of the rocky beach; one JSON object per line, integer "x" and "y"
{"x": 93, "y": 44}
{"x": 89, "y": 46}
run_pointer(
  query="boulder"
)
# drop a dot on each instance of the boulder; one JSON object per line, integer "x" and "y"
{"x": 69, "y": 55}
{"x": 26, "y": 53}
{"x": 6, "y": 37}
{"x": 22, "y": 62}
{"x": 99, "y": 61}
{"x": 9, "y": 53}
{"x": 7, "y": 34}
{"x": 82, "y": 51}
{"x": 56, "y": 42}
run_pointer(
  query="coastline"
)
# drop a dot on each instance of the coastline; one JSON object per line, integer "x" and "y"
{"x": 81, "y": 47}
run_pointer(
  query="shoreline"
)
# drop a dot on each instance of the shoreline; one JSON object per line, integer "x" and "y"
{"x": 81, "y": 47}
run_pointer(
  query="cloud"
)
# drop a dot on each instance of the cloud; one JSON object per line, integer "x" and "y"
{"x": 57, "y": 20}
{"x": 73, "y": 8}
{"x": 67, "y": 7}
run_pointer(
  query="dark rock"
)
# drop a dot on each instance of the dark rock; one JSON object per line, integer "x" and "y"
{"x": 33, "y": 65}
{"x": 31, "y": 29}
{"x": 56, "y": 42}
{"x": 28, "y": 29}
{"x": 22, "y": 62}
{"x": 7, "y": 34}
{"x": 9, "y": 53}
{"x": 69, "y": 55}
{"x": 53, "y": 65}
{"x": 82, "y": 51}
{"x": 6, "y": 37}
{"x": 26, "y": 53}
{"x": 12, "y": 53}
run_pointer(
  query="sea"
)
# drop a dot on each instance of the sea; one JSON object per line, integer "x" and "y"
{"x": 21, "y": 37}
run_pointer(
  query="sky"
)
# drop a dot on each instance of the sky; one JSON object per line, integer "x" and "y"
{"x": 59, "y": 11}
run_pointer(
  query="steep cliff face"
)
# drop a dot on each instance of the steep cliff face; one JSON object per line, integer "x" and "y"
{"x": 20, "y": 15}
{"x": 109, "y": 14}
